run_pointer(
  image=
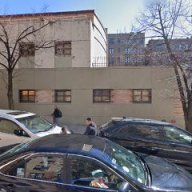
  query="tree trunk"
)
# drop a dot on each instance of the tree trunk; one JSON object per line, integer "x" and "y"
{"x": 186, "y": 106}
{"x": 10, "y": 90}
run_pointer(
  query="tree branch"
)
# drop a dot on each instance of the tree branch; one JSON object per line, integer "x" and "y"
{"x": 2, "y": 64}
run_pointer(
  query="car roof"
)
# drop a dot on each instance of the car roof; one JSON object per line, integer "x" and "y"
{"x": 73, "y": 143}
{"x": 15, "y": 113}
{"x": 139, "y": 120}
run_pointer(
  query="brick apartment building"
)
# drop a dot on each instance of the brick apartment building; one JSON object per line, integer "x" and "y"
{"x": 126, "y": 49}
{"x": 156, "y": 51}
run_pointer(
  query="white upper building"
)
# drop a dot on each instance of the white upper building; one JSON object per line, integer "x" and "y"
{"x": 76, "y": 39}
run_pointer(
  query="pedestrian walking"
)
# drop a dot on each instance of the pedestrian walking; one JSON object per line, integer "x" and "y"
{"x": 91, "y": 128}
{"x": 57, "y": 114}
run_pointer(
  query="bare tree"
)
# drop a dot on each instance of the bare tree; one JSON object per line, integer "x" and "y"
{"x": 167, "y": 20}
{"x": 17, "y": 39}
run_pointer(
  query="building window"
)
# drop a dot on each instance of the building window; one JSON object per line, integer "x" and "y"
{"x": 142, "y": 95}
{"x": 63, "y": 96}
{"x": 182, "y": 46}
{"x": 27, "y": 49}
{"x": 101, "y": 95}
{"x": 126, "y": 50}
{"x": 27, "y": 96}
{"x": 111, "y": 41}
{"x": 123, "y": 41}
{"x": 118, "y": 60}
{"x": 111, "y": 61}
{"x": 126, "y": 60}
{"x": 111, "y": 51}
{"x": 129, "y": 41}
{"x": 63, "y": 48}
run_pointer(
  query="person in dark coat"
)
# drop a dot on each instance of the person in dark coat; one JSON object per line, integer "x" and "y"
{"x": 91, "y": 127}
{"x": 57, "y": 114}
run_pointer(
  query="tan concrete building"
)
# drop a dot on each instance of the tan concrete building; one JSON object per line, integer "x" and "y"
{"x": 65, "y": 75}
{"x": 76, "y": 39}
{"x": 146, "y": 92}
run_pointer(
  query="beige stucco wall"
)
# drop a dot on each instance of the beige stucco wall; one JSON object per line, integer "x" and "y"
{"x": 86, "y": 34}
{"x": 76, "y": 30}
{"x": 82, "y": 81}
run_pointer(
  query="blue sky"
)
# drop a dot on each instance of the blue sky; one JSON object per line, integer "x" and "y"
{"x": 116, "y": 15}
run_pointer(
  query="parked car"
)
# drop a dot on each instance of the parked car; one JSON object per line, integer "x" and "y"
{"x": 151, "y": 137}
{"x": 18, "y": 126}
{"x": 7, "y": 147}
{"x": 86, "y": 163}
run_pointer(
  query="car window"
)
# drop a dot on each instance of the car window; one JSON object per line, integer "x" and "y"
{"x": 47, "y": 168}
{"x": 87, "y": 172}
{"x": 7, "y": 126}
{"x": 177, "y": 135}
{"x": 35, "y": 123}
{"x": 139, "y": 130}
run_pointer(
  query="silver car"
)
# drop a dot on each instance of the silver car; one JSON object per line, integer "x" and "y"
{"x": 18, "y": 126}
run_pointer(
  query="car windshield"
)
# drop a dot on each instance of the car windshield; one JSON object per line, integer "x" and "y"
{"x": 35, "y": 123}
{"x": 127, "y": 162}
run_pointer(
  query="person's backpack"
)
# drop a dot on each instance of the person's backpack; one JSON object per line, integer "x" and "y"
{"x": 60, "y": 113}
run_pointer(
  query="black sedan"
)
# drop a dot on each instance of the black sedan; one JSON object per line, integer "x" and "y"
{"x": 151, "y": 137}
{"x": 86, "y": 164}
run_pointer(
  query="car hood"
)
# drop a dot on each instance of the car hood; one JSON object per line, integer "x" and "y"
{"x": 54, "y": 130}
{"x": 165, "y": 175}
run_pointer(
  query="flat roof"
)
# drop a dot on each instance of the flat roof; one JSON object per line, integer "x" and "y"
{"x": 90, "y": 13}
{"x": 67, "y": 13}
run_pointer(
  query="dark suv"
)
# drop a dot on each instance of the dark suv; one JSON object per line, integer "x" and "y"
{"x": 152, "y": 137}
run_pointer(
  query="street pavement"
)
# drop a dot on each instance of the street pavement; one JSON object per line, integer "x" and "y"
{"x": 75, "y": 128}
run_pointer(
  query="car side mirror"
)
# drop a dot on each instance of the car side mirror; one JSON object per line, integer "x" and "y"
{"x": 124, "y": 187}
{"x": 18, "y": 132}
